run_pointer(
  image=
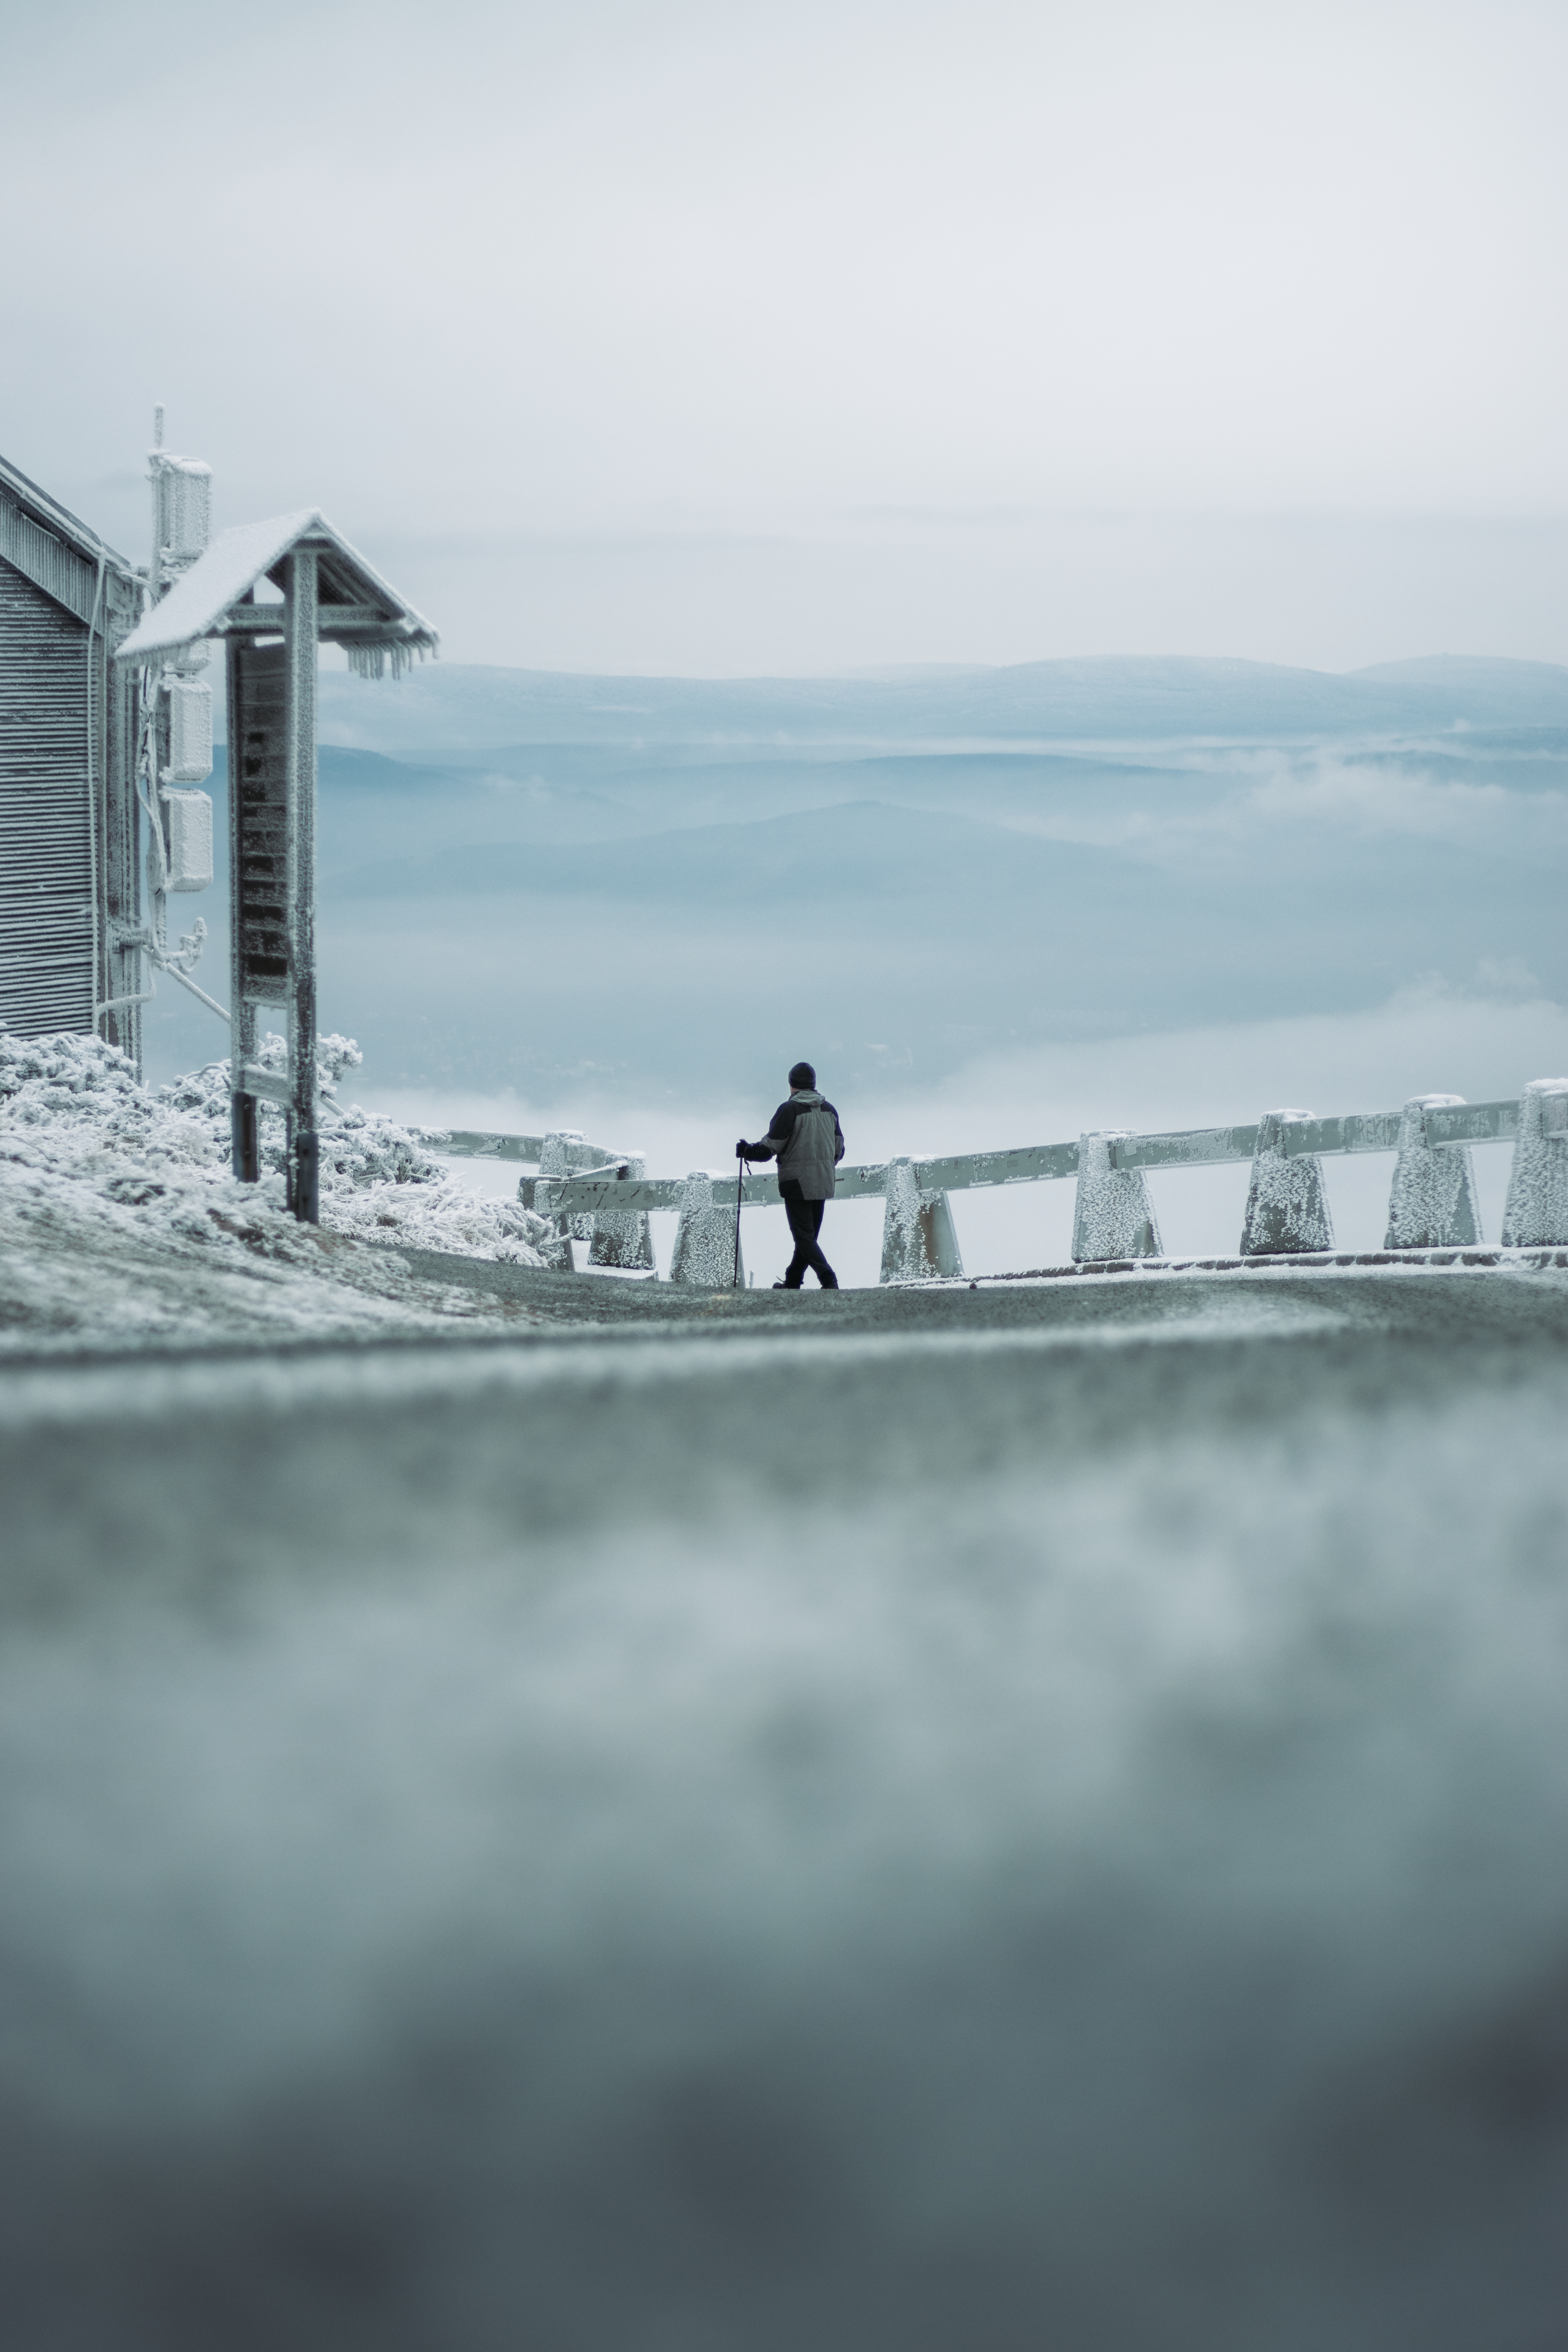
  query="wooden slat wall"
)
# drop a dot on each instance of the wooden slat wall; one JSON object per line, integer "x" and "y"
{"x": 46, "y": 848}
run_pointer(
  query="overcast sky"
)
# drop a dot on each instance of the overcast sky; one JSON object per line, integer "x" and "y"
{"x": 721, "y": 337}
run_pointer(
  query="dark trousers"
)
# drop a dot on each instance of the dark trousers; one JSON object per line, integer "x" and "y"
{"x": 804, "y": 1224}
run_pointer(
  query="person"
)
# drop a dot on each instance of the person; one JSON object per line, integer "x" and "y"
{"x": 806, "y": 1139}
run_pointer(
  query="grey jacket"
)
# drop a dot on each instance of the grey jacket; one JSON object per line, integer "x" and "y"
{"x": 807, "y": 1141}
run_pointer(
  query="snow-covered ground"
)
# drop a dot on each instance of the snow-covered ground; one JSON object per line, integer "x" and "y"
{"x": 120, "y": 1220}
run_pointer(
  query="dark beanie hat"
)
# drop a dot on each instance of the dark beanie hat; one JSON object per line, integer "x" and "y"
{"x": 803, "y": 1075}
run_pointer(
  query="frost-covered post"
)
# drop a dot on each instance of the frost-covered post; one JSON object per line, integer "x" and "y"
{"x": 1537, "y": 1206}
{"x": 624, "y": 1237}
{"x": 1112, "y": 1214}
{"x": 919, "y": 1243}
{"x": 300, "y": 661}
{"x": 1432, "y": 1201}
{"x": 554, "y": 1245}
{"x": 555, "y": 1159}
{"x": 1286, "y": 1206}
{"x": 705, "y": 1238}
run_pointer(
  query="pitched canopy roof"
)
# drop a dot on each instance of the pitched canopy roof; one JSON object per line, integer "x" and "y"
{"x": 371, "y": 618}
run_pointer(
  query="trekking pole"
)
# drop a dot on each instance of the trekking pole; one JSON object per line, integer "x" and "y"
{"x": 740, "y": 1182}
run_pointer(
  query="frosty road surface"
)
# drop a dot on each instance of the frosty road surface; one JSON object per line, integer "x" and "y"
{"x": 1016, "y": 1817}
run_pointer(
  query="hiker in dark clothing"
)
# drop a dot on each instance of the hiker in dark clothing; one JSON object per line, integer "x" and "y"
{"x": 806, "y": 1139}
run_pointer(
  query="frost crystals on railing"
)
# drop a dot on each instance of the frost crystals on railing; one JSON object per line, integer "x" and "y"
{"x": 1537, "y": 1206}
{"x": 918, "y": 1242}
{"x": 1286, "y": 1209}
{"x": 1432, "y": 1200}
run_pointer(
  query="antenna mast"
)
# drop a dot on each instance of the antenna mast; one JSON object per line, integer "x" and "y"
{"x": 174, "y": 720}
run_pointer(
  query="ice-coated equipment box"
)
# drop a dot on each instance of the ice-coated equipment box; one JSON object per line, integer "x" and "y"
{"x": 189, "y": 825}
{"x": 190, "y": 732}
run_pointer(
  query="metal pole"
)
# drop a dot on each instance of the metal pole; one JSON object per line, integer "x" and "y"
{"x": 740, "y": 1182}
{"x": 299, "y": 619}
{"x": 124, "y": 900}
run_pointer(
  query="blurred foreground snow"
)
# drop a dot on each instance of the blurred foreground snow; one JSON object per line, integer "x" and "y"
{"x": 1029, "y": 1817}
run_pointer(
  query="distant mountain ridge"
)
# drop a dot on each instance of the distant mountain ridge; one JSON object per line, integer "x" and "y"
{"x": 858, "y": 850}
{"x": 455, "y": 708}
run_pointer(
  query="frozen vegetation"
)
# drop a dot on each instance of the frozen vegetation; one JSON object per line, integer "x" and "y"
{"x": 120, "y": 1217}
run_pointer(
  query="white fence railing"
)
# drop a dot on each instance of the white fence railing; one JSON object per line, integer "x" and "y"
{"x": 1432, "y": 1200}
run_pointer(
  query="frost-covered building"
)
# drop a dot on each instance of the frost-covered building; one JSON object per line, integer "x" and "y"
{"x": 106, "y": 737}
{"x": 67, "y": 830}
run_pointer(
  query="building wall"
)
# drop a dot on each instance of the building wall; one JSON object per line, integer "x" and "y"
{"x": 48, "y": 852}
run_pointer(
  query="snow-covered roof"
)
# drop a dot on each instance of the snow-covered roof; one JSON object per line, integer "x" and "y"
{"x": 59, "y": 553}
{"x": 58, "y": 519}
{"x": 200, "y": 604}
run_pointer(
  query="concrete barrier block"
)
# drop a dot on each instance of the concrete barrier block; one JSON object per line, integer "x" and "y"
{"x": 624, "y": 1241}
{"x": 1287, "y": 1208}
{"x": 1432, "y": 1201}
{"x": 1537, "y": 1206}
{"x": 705, "y": 1238}
{"x": 554, "y": 1247}
{"x": 555, "y": 1159}
{"x": 919, "y": 1243}
{"x": 1112, "y": 1215}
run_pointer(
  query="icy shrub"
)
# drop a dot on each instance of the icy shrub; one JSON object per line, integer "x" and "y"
{"x": 52, "y": 1070}
{"x": 82, "y": 1111}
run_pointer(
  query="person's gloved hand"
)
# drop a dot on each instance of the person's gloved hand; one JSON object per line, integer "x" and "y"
{"x": 741, "y": 1148}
